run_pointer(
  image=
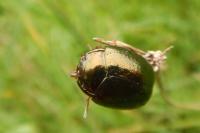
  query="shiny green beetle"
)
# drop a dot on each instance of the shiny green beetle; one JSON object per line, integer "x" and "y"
{"x": 118, "y": 76}
{"x": 115, "y": 77}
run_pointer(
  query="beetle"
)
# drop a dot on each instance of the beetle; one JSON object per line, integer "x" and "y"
{"x": 118, "y": 76}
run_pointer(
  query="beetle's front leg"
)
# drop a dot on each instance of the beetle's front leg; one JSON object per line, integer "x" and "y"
{"x": 86, "y": 108}
{"x": 74, "y": 74}
{"x": 116, "y": 43}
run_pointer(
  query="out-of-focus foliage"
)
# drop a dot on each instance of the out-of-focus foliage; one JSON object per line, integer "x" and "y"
{"x": 41, "y": 42}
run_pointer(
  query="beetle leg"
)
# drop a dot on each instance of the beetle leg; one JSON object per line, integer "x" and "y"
{"x": 74, "y": 74}
{"x": 86, "y": 108}
{"x": 117, "y": 43}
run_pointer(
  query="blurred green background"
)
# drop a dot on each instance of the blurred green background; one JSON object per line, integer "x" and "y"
{"x": 41, "y": 42}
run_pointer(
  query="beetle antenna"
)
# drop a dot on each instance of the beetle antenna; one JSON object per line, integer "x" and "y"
{"x": 86, "y": 108}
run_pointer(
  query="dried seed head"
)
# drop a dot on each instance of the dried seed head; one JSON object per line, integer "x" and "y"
{"x": 156, "y": 58}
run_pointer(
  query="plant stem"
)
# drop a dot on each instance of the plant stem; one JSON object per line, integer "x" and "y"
{"x": 168, "y": 100}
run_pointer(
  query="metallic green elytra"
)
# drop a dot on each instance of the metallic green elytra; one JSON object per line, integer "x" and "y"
{"x": 115, "y": 77}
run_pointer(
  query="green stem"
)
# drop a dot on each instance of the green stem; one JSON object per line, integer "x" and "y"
{"x": 168, "y": 100}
